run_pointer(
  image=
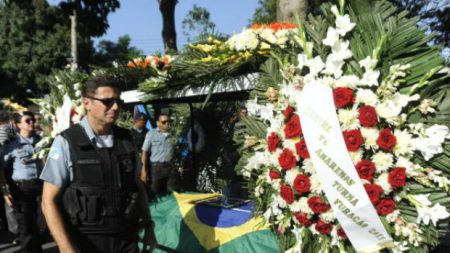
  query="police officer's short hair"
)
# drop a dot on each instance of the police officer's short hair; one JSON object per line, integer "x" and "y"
{"x": 163, "y": 114}
{"x": 92, "y": 84}
{"x": 19, "y": 115}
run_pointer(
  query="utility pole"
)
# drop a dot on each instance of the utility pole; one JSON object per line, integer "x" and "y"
{"x": 73, "y": 40}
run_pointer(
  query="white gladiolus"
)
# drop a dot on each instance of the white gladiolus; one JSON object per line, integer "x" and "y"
{"x": 344, "y": 25}
{"x": 252, "y": 107}
{"x": 368, "y": 63}
{"x": 433, "y": 214}
{"x": 333, "y": 66}
{"x": 266, "y": 111}
{"x": 332, "y": 37}
{"x": 341, "y": 51}
{"x": 315, "y": 65}
{"x": 431, "y": 144}
{"x": 370, "y": 78}
{"x": 302, "y": 60}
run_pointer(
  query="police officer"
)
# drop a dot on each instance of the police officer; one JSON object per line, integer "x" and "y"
{"x": 158, "y": 148}
{"x": 23, "y": 189}
{"x": 139, "y": 131}
{"x": 91, "y": 175}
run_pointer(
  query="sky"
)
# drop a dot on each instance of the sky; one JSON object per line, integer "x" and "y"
{"x": 141, "y": 20}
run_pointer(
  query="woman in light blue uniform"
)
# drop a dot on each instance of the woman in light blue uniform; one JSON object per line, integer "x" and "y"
{"x": 23, "y": 189}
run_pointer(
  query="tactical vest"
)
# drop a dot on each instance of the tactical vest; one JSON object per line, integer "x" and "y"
{"x": 102, "y": 197}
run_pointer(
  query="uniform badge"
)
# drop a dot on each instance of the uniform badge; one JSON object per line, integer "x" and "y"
{"x": 54, "y": 153}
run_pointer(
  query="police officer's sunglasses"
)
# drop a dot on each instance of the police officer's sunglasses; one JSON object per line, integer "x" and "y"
{"x": 109, "y": 102}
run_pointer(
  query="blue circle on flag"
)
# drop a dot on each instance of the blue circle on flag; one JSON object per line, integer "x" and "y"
{"x": 222, "y": 217}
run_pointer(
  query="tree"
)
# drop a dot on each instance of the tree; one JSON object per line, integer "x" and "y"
{"x": 287, "y": 9}
{"x": 169, "y": 34}
{"x": 33, "y": 41}
{"x": 266, "y": 12}
{"x": 434, "y": 15}
{"x": 198, "y": 22}
{"x": 109, "y": 52}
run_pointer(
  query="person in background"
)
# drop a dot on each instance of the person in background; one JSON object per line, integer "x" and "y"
{"x": 37, "y": 126}
{"x": 22, "y": 191}
{"x": 158, "y": 150}
{"x": 139, "y": 131}
{"x": 7, "y": 134}
{"x": 92, "y": 197}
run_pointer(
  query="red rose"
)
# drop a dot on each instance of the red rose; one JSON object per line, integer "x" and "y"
{"x": 343, "y": 96}
{"x": 287, "y": 159}
{"x": 386, "y": 140}
{"x": 317, "y": 206}
{"x": 365, "y": 169}
{"x": 353, "y": 139}
{"x": 301, "y": 149}
{"x": 341, "y": 233}
{"x": 273, "y": 141}
{"x": 273, "y": 174}
{"x": 288, "y": 111}
{"x": 287, "y": 194}
{"x": 302, "y": 184}
{"x": 293, "y": 127}
{"x": 374, "y": 191}
{"x": 323, "y": 228}
{"x": 302, "y": 218}
{"x": 386, "y": 206}
{"x": 368, "y": 116}
{"x": 397, "y": 177}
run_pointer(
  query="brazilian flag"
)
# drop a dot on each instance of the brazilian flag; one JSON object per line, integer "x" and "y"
{"x": 181, "y": 226}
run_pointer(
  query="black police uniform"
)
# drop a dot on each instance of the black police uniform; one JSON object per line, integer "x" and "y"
{"x": 100, "y": 203}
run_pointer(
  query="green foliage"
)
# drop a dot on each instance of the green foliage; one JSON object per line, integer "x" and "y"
{"x": 266, "y": 12}
{"x": 109, "y": 53}
{"x": 33, "y": 41}
{"x": 434, "y": 15}
{"x": 197, "y": 23}
{"x": 88, "y": 13}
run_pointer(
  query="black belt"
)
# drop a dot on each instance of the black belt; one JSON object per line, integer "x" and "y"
{"x": 28, "y": 182}
{"x": 161, "y": 163}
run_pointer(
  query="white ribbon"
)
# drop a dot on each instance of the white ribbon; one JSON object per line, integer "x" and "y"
{"x": 338, "y": 176}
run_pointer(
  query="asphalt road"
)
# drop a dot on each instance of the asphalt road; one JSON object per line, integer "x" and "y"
{"x": 7, "y": 247}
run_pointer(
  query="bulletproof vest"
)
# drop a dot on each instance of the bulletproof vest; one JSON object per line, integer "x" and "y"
{"x": 102, "y": 197}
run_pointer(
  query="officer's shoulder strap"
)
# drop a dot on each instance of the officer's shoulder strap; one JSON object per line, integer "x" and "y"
{"x": 76, "y": 134}
{"x": 125, "y": 138}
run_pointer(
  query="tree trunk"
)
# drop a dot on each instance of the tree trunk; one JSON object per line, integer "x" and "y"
{"x": 286, "y": 10}
{"x": 73, "y": 41}
{"x": 167, "y": 8}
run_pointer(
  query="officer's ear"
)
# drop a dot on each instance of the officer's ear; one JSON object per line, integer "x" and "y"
{"x": 86, "y": 102}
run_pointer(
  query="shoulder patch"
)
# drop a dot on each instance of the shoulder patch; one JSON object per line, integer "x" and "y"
{"x": 55, "y": 153}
